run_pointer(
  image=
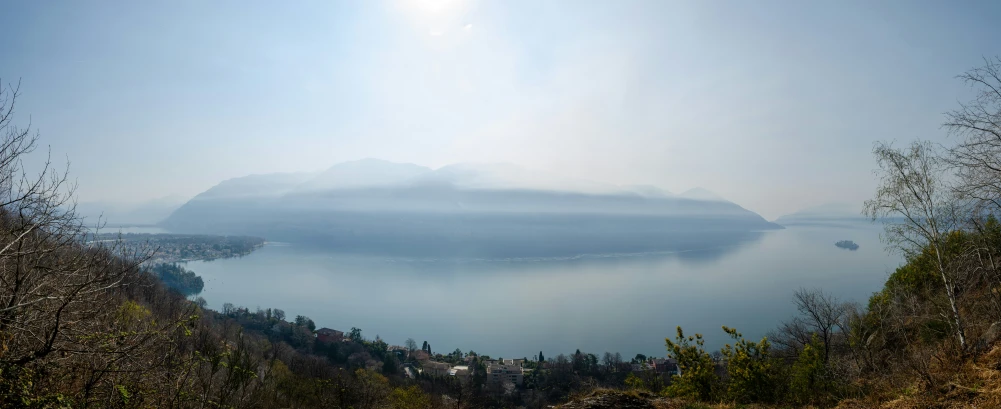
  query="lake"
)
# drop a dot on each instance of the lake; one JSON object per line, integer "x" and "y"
{"x": 517, "y": 307}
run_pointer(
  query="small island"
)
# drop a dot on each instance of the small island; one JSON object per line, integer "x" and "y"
{"x": 847, "y": 244}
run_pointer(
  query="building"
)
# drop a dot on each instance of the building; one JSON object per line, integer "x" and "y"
{"x": 641, "y": 367}
{"x": 400, "y": 352}
{"x": 432, "y": 368}
{"x": 506, "y": 372}
{"x": 666, "y": 366}
{"x": 461, "y": 372}
{"x": 327, "y": 335}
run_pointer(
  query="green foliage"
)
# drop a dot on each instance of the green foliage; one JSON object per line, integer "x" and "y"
{"x": 389, "y": 365}
{"x": 698, "y": 380}
{"x": 809, "y": 378}
{"x": 18, "y": 390}
{"x": 178, "y": 278}
{"x": 123, "y": 393}
{"x": 355, "y": 334}
{"x": 410, "y": 397}
{"x": 639, "y": 359}
{"x": 752, "y": 374}
{"x": 645, "y": 381}
{"x": 304, "y": 321}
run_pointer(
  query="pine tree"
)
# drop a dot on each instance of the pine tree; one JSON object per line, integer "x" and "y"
{"x": 541, "y": 358}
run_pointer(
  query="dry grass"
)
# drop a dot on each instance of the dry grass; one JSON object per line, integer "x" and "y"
{"x": 974, "y": 384}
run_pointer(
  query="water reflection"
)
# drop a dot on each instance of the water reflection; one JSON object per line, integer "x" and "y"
{"x": 517, "y": 306}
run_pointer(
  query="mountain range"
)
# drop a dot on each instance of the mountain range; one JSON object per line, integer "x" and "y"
{"x": 461, "y": 209}
{"x": 828, "y": 214}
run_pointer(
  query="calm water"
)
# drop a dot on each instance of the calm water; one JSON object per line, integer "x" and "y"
{"x": 515, "y": 308}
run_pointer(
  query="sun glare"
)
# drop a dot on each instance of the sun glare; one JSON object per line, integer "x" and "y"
{"x": 434, "y": 6}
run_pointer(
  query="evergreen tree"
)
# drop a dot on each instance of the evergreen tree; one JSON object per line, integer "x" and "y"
{"x": 809, "y": 381}
{"x": 751, "y": 372}
{"x": 698, "y": 380}
{"x": 541, "y": 358}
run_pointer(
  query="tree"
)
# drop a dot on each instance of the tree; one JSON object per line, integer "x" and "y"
{"x": 279, "y": 314}
{"x": 355, "y": 334}
{"x": 918, "y": 211}
{"x": 977, "y": 123}
{"x": 410, "y": 397}
{"x": 304, "y": 321}
{"x": 751, "y": 371}
{"x": 977, "y": 161}
{"x": 411, "y": 346}
{"x": 639, "y": 359}
{"x": 69, "y": 319}
{"x": 541, "y": 357}
{"x": 389, "y": 364}
{"x": 178, "y": 278}
{"x": 698, "y": 378}
{"x": 821, "y": 314}
{"x": 809, "y": 381}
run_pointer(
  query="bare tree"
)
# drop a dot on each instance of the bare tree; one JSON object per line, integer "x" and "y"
{"x": 919, "y": 211}
{"x": 411, "y": 346}
{"x": 66, "y": 301}
{"x": 822, "y": 314}
{"x": 790, "y": 337}
{"x": 977, "y": 156}
{"x": 977, "y": 160}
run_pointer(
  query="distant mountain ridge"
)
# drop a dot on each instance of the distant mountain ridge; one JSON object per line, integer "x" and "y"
{"x": 828, "y": 214}
{"x": 472, "y": 208}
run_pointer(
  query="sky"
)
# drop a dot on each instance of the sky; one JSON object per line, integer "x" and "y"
{"x": 774, "y": 105}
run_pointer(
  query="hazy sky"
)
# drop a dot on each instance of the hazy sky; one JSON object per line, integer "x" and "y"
{"x": 774, "y": 105}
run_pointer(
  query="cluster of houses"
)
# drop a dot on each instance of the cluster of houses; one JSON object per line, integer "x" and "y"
{"x": 506, "y": 371}
{"x": 500, "y": 371}
{"x": 662, "y": 366}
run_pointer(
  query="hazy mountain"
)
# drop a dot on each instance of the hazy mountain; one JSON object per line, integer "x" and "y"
{"x": 825, "y": 214}
{"x": 362, "y": 173}
{"x": 502, "y": 176}
{"x": 148, "y": 212}
{"x": 648, "y": 191}
{"x": 256, "y": 186}
{"x": 472, "y": 209}
{"x": 701, "y": 194}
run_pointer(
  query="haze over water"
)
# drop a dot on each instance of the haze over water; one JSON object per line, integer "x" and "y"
{"x": 517, "y": 307}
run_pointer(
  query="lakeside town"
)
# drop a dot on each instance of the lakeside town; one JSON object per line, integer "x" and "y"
{"x": 509, "y": 374}
{"x": 174, "y": 248}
